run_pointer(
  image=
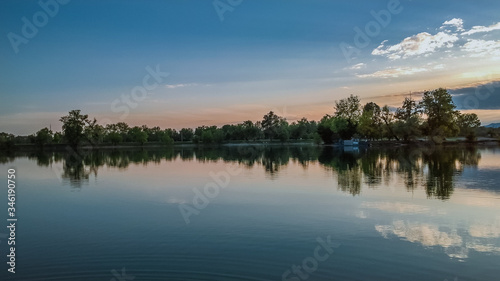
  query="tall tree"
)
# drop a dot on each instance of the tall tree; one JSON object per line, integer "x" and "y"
{"x": 407, "y": 110}
{"x": 94, "y": 132}
{"x": 388, "y": 120}
{"x": 348, "y": 109}
{"x": 441, "y": 114}
{"x": 73, "y": 127}
{"x": 370, "y": 122}
{"x": 408, "y": 119}
{"x": 44, "y": 136}
{"x": 270, "y": 124}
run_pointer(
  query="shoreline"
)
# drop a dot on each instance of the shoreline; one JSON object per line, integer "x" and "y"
{"x": 374, "y": 144}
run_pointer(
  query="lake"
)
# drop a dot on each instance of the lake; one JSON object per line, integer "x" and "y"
{"x": 256, "y": 213}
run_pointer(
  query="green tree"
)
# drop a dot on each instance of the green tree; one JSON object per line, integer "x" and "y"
{"x": 154, "y": 134}
{"x": 271, "y": 124}
{"x": 408, "y": 122}
{"x": 166, "y": 139}
{"x": 43, "y": 137}
{"x": 407, "y": 110}
{"x": 186, "y": 134}
{"x": 207, "y": 137}
{"x": 137, "y": 134}
{"x": 283, "y": 131}
{"x": 348, "y": 109}
{"x": 408, "y": 129}
{"x": 388, "y": 123}
{"x": 468, "y": 123}
{"x": 6, "y": 140}
{"x": 325, "y": 131}
{"x": 73, "y": 127}
{"x": 57, "y": 138}
{"x": 114, "y": 137}
{"x": 331, "y": 129}
{"x": 302, "y": 129}
{"x": 441, "y": 115}
{"x": 94, "y": 132}
{"x": 251, "y": 131}
{"x": 370, "y": 122}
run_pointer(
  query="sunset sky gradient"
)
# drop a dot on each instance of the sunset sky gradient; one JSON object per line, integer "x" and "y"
{"x": 284, "y": 56}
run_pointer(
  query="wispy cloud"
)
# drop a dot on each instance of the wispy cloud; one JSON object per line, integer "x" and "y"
{"x": 358, "y": 66}
{"x": 425, "y": 43}
{"x": 421, "y": 44}
{"x": 428, "y": 235}
{"x": 481, "y": 29}
{"x": 482, "y": 48}
{"x": 174, "y": 86}
{"x": 394, "y": 72}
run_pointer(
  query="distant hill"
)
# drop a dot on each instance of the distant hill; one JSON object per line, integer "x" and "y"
{"x": 493, "y": 125}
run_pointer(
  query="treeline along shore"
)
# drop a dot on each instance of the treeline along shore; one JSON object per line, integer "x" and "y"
{"x": 432, "y": 119}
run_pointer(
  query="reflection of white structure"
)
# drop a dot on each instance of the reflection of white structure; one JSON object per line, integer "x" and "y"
{"x": 351, "y": 142}
{"x": 429, "y": 235}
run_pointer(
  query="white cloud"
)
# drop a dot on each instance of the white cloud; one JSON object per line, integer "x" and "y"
{"x": 425, "y": 44}
{"x": 425, "y": 234}
{"x": 481, "y": 29}
{"x": 488, "y": 248}
{"x": 421, "y": 44}
{"x": 482, "y": 48}
{"x": 394, "y": 72}
{"x": 454, "y": 245}
{"x": 485, "y": 230}
{"x": 179, "y": 85}
{"x": 458, "y": 23}
{"x": 358, "y": 66}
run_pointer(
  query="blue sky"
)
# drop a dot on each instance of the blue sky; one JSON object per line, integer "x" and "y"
{"x": 284, "y": 56}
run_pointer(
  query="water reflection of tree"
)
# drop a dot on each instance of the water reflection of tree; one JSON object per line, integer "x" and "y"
{"x": 409, "y": 165}
{"x": 372, "y": 167}
{"x": 346, "y": 166}
{"x": 432, "y": 168}
{"x": 443, "y": 165}
{"x": 274, "y": 158}
{"x": 7, "y": 156}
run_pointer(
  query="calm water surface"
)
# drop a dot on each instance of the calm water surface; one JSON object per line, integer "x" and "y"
{"x": 256, "y": 213}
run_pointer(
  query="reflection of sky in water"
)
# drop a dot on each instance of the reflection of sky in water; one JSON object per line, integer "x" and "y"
{"x": 454, "y": 244}
{"x": 376, "y": 204}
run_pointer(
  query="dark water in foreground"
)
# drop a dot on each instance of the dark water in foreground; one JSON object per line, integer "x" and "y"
{"x": 256, "y": 213}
